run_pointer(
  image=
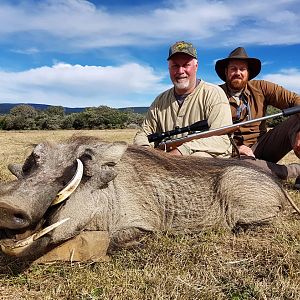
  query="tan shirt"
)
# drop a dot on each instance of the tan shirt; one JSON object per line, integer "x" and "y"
{"x": 207, "y": 101}
{"x": 259, "y": 94}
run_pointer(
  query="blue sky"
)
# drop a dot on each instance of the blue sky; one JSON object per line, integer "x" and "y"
{"x": 79, "y": 53}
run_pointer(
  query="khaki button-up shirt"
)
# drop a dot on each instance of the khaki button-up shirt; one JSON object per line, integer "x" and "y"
{"x": 207, "y": 101}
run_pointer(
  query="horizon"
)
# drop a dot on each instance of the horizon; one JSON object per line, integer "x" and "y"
{"x": 71, "y": 107}
{"x": 78, "y": 53}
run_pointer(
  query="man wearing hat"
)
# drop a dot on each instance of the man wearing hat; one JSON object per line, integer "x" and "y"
{"x": 188, "y": 101}
{"x": 249, "y": 99}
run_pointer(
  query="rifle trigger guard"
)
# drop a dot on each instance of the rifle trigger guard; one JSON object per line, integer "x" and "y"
{"x": 165, "y": 148}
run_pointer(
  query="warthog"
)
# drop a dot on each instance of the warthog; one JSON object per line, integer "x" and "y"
{"x": 127, "y": 191}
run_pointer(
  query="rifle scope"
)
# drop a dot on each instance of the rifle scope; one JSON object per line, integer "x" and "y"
{"x": 198, "y": 126}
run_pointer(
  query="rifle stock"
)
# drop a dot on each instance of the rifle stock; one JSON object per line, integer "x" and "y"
{"x": 172, "y": 143}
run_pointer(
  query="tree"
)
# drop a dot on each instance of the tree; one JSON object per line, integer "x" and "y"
{"x": 68, "y": 121}
{"x": 274, "y": 121}
{"x": 104, "y": 117}
{"x": 23, "y": 110}
{"x": 21, "y": 117}
{"x": 55, "y": 111}
{"x": 2, "y": 121}
{"x": 52, "y": 122}
{"x": 79, "y": 121}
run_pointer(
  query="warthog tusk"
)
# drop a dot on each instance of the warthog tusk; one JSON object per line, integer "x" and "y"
{"x": 49, "y": 228}
{"x": 20, "y": 246}
{"x": 71, "y": 186}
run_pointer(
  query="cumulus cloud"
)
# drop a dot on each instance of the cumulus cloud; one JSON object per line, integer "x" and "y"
{"x": 83, "y": 25}
{"x": 288, "y": 78}
{"x": 77, "y": 85}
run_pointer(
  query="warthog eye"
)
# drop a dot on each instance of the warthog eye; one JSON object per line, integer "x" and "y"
{"x": 86, "y": 156}
{"x": 29, "y": 165}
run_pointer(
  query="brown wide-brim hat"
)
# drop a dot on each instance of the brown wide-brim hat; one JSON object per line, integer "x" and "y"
{"x": 254, "y": 64}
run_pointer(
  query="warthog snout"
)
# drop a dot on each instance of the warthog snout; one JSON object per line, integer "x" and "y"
{"x": 12, "y": 217}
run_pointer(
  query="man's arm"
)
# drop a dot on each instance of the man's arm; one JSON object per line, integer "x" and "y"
{"x": 147, "y": 128}
{"x": 277, "y": 95}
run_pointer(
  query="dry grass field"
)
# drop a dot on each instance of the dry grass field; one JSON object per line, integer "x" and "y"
{"x": 259, "y": 263}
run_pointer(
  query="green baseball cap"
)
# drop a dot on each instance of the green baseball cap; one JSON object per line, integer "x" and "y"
{"x": 182, "y": 47}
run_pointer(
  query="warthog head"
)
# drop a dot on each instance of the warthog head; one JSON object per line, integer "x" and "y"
{"x": 30, "y": 207}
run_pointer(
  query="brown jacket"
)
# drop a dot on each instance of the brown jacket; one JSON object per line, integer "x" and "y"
{"x": 259, "y": 94}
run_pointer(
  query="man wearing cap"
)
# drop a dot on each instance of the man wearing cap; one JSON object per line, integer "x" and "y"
{"x": 249, "y": 99}
{"x": 188, "y": 101}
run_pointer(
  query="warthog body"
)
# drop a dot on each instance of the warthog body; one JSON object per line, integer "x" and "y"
{"x": 128, "y": 190}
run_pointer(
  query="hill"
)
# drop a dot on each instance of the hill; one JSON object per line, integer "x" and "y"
{"x": 138, "y": 110}
{"x": 6, "y": 107}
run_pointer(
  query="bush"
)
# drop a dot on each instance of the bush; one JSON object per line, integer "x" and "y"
{"x": 274, "y": 121}
{"x": 2, "y": 120}
{"x": 68, "y": 121}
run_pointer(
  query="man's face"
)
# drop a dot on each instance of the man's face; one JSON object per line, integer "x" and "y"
{"x": 183, "y": 70}
{"x": 237, "y": 74}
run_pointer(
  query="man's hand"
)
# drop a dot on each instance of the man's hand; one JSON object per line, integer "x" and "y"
{"x": 296, "y": 146}
{"x": 244, "y": 150}
{"x": 175, "y": 152}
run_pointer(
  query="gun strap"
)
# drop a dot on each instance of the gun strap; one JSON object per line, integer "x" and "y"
{"x": 235, "y": 150}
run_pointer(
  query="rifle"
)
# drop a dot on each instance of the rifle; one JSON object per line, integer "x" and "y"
{"x": 200, "y": 129}
{"x": 160, "y": 136}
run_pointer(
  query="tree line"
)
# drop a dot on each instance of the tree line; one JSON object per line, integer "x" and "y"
{"x": 26, "y": 117}
{"x": 22, "y": 117}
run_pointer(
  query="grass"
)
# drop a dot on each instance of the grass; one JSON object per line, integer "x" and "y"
{"x": 260, "y": 263}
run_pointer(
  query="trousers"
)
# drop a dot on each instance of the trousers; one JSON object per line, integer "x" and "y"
{"x": 274, "y": 145}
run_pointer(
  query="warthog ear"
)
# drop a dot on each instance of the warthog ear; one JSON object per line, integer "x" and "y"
{"x": 16, "y": 169}
{"x": 99, "y": 160}
{"x": 113, "y": 153}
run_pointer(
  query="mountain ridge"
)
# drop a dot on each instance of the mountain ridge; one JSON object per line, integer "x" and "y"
{"x": 6, "y": 107}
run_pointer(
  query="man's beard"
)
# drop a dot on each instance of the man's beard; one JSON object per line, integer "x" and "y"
{"x": 182, "y": 84}
{"x": 237, "y": 85}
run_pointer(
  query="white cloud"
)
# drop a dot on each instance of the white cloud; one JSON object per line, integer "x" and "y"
{"x": 76, "y": 85}
{"x": 82, "y": 25}
{"x": 288, "y": 78}
{"x": 26, "y": 51}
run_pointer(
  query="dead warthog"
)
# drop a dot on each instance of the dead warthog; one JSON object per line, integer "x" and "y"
{"x": 126, "y": 191}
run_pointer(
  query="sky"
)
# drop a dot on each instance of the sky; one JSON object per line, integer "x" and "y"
{"x": 79, "y": 53}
